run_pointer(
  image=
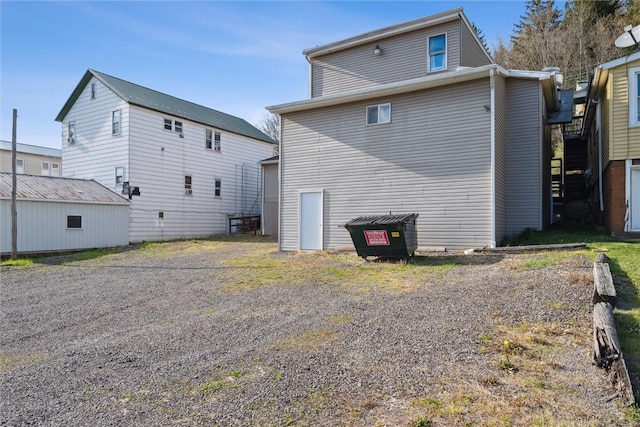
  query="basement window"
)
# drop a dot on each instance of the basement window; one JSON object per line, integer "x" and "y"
{"x": 74, "y": 221}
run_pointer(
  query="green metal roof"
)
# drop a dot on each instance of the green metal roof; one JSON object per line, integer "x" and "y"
{"x": 163, "y": 103}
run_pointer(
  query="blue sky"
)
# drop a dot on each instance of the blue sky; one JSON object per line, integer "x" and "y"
{"x": 236, "y": 57}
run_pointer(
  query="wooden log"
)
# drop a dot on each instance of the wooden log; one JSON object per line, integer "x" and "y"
{"x": 607, "y": 353}
{"x": 603, "y": 288}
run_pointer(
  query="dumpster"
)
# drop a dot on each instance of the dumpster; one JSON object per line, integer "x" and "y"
{"x": 390, "y": 236}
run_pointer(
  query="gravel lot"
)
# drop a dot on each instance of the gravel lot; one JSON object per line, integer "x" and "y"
{"x": 158, "y": 336}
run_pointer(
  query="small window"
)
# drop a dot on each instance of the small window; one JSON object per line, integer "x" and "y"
{"x": 55, "y": 169}
{"x": 217, "y": 141}
{"x": 437, "y": 53}
{"x": 45, "y": 170}
{"x": 160, "y": 215}
{"x": 177, "y": 126}
{"x": 187, "y": 185}
{"x": 634, "y": 97}
{"x": 208, "y": 138}
{"x": 218, "y": 188}
{"x": 377, "y": 114}
{"x": 93, "y": 91}
{"x": 19, "y": 165}
{"x": 71, "y": 129}
{"x": 115, "y": 122}
{"x": 119, "y": 175}
{"x": 168, "y": 124}
{"x": 74, "y": 221}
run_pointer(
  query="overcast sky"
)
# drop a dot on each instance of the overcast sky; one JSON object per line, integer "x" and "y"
{"x": 236, "y": 57}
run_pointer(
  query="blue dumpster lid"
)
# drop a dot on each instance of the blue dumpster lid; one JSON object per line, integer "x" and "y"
{"x": 382, "y": 219}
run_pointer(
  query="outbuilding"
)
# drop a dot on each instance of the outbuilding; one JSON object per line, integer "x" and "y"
{"x": 62, "y": 214}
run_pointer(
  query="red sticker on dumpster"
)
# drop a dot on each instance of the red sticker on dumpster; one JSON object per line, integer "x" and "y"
{"x": 376, "y": 237}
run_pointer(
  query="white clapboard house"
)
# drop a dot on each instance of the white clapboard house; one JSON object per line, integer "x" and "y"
{"x": 416, "y": 118}
{"x": 186, "y": 168}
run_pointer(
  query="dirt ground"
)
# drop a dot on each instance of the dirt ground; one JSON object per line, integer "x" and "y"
{"x": 232, "y": 332}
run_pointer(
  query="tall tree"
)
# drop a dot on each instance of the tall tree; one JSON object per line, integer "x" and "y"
{"x": 270, "y": 125}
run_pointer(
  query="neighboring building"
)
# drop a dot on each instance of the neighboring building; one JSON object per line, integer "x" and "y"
{"x": 62, "y": 214}
{"x": 31, "y": 159}
{"x": 270, "y": 189}
{"x": 612, "y": 131}
{"x": 416, "y": 118}
{"x": 186, "y": 167}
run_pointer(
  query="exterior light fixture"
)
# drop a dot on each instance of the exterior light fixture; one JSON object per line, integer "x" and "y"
{"x": 377, "y": 51}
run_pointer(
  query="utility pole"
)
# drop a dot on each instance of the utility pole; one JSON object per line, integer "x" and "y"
{"x": 14, "y": 211}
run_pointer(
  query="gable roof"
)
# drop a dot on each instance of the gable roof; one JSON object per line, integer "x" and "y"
{"x": 52, "y": 188}
{"x": 416, "y": 24}
{"x": 148, "y": 98}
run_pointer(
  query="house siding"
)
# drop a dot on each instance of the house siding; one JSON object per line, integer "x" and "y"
{"x": 500, "y": 161}
{"x": 524, "y": 155}
{"x": 42, "y": 226}
{"x": 426, "y": 161}
{"x": 403, "y": 57}
{"x": 471, "y": 54}
{"x": 160, "y": 160}
{"x": 625, "y": 140}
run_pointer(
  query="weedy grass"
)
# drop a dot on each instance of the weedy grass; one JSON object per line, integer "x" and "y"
{"x": 308, "y": 340}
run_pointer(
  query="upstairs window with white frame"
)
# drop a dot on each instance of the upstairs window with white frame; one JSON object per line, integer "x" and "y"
{"x": 19, "y": 165}
{"x": 217, "y": 138}
{"x": 168, "y": 124}
{"x": 187, "y": 185}
{"x": 115, "y": 122}
{"x": 208, "y": 139}
{"x": 177, "y": 126}
{"x": 71, "y": 133}
{"x": 218, "y": 187}
{"x": 437, "y": 53}
{"x": 378, "y": 114}
{"x": 93, "y": 91}
{"x": 634, "y": 97}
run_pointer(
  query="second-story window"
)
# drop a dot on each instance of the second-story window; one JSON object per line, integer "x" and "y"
{"x": 168, "y": 124}
{"x": 218, "y": 187}
{"x": 93, "y": 91}
{"x": 437, "y": 53}
{"x": 71, "y": 130}
{"x": 187, "y": 185}
{"x": 177, "y": 126}
{"x": 208, "y": 138}
{"x": 217, "y": 141}
{"x": 19, "y": 165}
{"x": 115, "y": 122}
{"x": 377, "y": 114}
{"x": 119, "y": 175}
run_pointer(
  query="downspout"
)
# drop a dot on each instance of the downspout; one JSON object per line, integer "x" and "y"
{"x": 493, "y": 156}
{"x": 280, "y": 158}
{"x": 309, "y": 83}
{"x": 599, "y": 131}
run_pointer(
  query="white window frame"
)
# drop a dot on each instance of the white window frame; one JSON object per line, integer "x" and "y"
{"x": 188, "y": 187}
{"x": 167, "y": 124}
{"x": 378, "y": 108}
{"x": 217, "y": 141}
{"x": 55, "y": 169}
{"x": 119, "y": 175}
{"x": 94, "y": 92}
{"x": 116, "y": 122}
{"x": 436, "y": 53}
{"x": 71, "y": 132}
{"x": 177, "y": 126}
{"x": 208, "y": 139}
{"x": 20, "y": 165}
{"x": 217, "y": 187}
{"x": 45, "y": 169}
{"x": 634, "y": 97}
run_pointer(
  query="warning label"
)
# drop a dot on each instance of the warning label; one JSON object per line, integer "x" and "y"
{"x": 376, "y": 237}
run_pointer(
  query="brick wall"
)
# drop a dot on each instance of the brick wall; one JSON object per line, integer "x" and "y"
{"x": 614, "y": 199}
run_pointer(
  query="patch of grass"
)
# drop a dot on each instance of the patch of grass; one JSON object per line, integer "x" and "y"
{"x": 8, "y": 361}
{"x": 20, "y": 262}
{"x": 309, "y": 340}
{"x": 340, "y": 319}
{"x": 421, "y": 422}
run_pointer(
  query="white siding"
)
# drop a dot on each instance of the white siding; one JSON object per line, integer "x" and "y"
{"x": 403, "y": 57}
{"x": 432, "y": 159}
{"x": 160, "y": 159}
{"x": 42, "y": 226}
{"x": 524, "y": 156}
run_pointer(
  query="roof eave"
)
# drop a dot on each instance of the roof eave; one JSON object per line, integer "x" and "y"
{"x": 74, "y": 96}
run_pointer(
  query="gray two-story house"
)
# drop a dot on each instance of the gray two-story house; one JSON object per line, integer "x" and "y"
{"x": 416, "y": 118}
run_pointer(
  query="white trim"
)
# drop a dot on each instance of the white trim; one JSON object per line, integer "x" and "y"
{"x": 492, "y": 85}
{"x": 634, "y": 92}
{"x": 446, "y": 57}
{"x": 378, "y": 122}
{"x": 309, "y": 191}
{"x": 629, "y": 166}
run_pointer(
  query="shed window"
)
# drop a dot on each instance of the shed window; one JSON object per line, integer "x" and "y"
{"x": 437, "y": 53}
{"x": 74, "y": 221}
{"x": 634, "y": 96}
{"x": 377, "y": 114}
{"x": 19, "y": 165}
{"x": 115, "y": 122}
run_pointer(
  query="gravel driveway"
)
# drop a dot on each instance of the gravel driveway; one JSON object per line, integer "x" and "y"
{"x": 158, "y": 335}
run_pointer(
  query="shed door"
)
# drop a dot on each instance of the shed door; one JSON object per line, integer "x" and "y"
{"x": 311, "y": 220}
{"x": 634, "y": 202}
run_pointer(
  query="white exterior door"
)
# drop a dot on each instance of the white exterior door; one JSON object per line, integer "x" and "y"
{"x": 311, "y": 220}
{"x": 634, "y": 198}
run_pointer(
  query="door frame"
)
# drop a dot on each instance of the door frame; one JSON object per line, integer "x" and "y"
{"x": 309, "y": 191}
{"x": 629, "y": 224}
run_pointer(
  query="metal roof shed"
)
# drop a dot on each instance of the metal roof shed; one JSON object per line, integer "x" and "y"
{"x": 60, "y": 214}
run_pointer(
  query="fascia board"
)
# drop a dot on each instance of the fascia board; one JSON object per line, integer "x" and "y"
{"x": 388, "y": 89}
{"x": 620, "y": 61}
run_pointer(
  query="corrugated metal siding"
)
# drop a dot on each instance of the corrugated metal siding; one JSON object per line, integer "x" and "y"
{"x": 471, "y": 53}
{"x": 427, "y": 161}
{"x": 625, "y": 140}
{"x": 404, "y": 57}
{"x": 524, "y": 155}
{"x": 159, "y": 161}
{"x": 500, "y": 159}
{"x": 42, "y": 226}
